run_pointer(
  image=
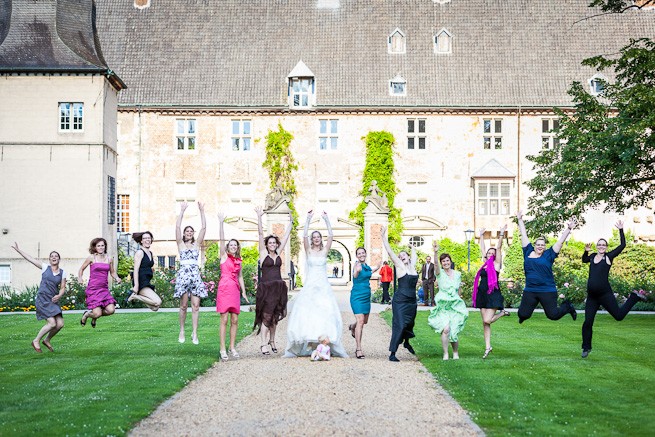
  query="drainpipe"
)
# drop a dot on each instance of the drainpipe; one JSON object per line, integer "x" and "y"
{"x": 518, "y": 159}
{"x": 138, "y": 174}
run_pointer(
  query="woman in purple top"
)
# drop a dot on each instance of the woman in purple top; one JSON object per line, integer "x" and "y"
{"x": 539, "y": 280}
{"x": 99, "y": 300}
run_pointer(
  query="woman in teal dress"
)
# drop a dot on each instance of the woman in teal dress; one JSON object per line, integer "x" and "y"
{"x": 360, "y": 297}
{"x": 448, "y": 317}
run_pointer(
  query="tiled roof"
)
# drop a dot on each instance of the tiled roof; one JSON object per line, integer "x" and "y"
{"x": 236, "y": 53}
{"x": 50, "y": 36}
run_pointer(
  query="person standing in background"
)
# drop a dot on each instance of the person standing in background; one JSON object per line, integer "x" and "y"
{"x": 386, "y": 276}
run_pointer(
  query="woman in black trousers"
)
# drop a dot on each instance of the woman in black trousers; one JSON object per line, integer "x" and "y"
{"x": 599, "y": 291}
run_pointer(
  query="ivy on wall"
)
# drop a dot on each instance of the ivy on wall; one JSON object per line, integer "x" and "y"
{"x": 379, "y": 167}
{"x": 281, "y": 165}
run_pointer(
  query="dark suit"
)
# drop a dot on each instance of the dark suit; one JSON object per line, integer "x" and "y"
{"x": 428, "y": 278}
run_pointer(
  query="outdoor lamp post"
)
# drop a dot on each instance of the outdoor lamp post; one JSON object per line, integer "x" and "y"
{"x": 469, "y": 235}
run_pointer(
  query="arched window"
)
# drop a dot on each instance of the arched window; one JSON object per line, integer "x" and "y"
{"x": 396, "y": 42}
{"x": 416, "y": 241}
{"x": 443, "y": 42}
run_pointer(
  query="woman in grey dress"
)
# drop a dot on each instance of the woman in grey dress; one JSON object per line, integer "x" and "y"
{"x": 51, "y": 289}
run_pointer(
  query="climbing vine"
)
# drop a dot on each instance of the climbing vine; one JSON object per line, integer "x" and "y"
{"x": 280, "y": 165}
{"x": 379, "y": 167}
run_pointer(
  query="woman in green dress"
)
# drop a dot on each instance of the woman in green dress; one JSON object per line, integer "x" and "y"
{"x": 360, "y": 297}
{"x": 448, "y": 317}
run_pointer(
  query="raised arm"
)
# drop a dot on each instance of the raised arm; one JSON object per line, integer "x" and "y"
{"x": 498, "y": 262}
{"x": 178, "y": 224}
{"x": 435, "y": 256}
{"x": 357, "y": 268}
{"x": 587, "y": 250}
{"x": 305, "y": 234}
{"x": 260, "y": 229}
{"x": 287, "y": 234}
{"x": 614, "y": 253}
{"x": 328, "y": 243}
{"x": 483, "y": 250}
{"x": 385, "y": 242}
{"x": 138, "y": 257}
{"x": 221, "y": 235}
{"x": 413, "y": 258}
{"x": 34, "y": 261}
{"x": 203, "y": 224}
{"x": 524, "y": 235}
{"x": 569, "y": 227}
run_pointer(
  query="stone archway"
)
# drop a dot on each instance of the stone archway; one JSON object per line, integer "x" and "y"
{"x": 346, "y": 262}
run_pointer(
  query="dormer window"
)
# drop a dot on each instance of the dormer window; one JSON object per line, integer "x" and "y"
{"x": 396, "y": 43}
{"x": 443, "y": 42}
{"x": 597, "y": 85}
{"x": 302, "y": 87}
{"x": 441, "y": 2}
{"x": 398, "y": 86}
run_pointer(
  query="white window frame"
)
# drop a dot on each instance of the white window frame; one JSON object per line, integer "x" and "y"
{"x": 548, "y": 138}
{"x": 8, "y": 270}
{"x": 443, "y": 33}
{"x": 487, "y": 203}
{"x": 310, "y": 92}
{"x": 413, "y": 238}
{"x": 417, "y": 135}
{"x": 68, "y": 121}
{"x": 241, "y": 141}
{"x": 123, "y": 213}
{"x": 186, "y": 135}
{"x": 249, "y": 190}
{"x": 595, "y": 84}
{"x": 397, "y": 81}
{"x": 330, "y": 138}
{"x": 401, "y": 50}
{"x": 494, "y": 136}
{"x": 441, "y": 2}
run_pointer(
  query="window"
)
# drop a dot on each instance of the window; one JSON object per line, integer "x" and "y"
{"x": 161, "y": 261}
{"x": 416, "y": 133}
{"x": 417, "y": 191}
{"x": 328, "y": 191}
{"x": 71, "y": 117}
{"x": 441, "y": 2}
{"x": 493, "y": 198}
{"x": 396, "y": 42}
{"x": 242, "y": 192}
{"x": 111, "y": 200}
{"x": 186, "y": 134}
{"x": 241, "y": 135}
{"x": 328, "y": 136}
{"x": 123, "y": 213}
{"x": 548, "y": 138}
{"x": 416, "y": 241}
{"x": 5, "y": 273}
{"x": 493, "y": 129}
{"x": 185, "y": 191}
{"x": 301, "y": 90}
{"x": 443, "y": 42}
{"x": 397, "y": 86}
{"x": 171, "y": 262}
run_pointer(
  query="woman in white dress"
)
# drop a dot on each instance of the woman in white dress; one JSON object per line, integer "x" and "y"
{"x": 315, "y": 312}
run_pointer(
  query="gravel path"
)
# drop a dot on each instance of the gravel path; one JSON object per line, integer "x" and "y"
{"x": 295, "y": 396}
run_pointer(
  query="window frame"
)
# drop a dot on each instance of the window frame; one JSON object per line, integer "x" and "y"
{"x": 328, "y": 199}
{"x": 435, "y": 40}
{"x": 329, "y": 136}
{"x": 397, "y": 81}
{"x": 596, "y": 87}
{"x": 548, "y": 137}
{"x": 9, "y": 271}
{"x": 184, "y": 198}
{"x": 311, "y": 92}
{"x": 241, "y": 135}
{"x": 251, "y": 188}
{"x": 484, "y": 204}
{"x": 71, "y": 117}
{"x": 122, "y": 213}
{"x": 185, "y": 135}
{"x": 111, "y": 200}
{"x": 495, "y": 136}
{"x": 417, "y": 135}
{"x": 390, "y": 50}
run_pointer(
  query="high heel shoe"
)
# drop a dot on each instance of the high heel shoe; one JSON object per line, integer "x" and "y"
{"x": 487, "y": 352}
{"x": 264, "y": 352}
{"x": 359, "y": 355}
{"x": 272, "y": 345}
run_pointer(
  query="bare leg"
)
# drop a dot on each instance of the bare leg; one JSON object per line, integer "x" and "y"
{"x": 59, "y": 324}
{"x": 487, "y": 319}
{"x": 184, "y": 303}
{"x": 108, "y": 310}
{"x": 50, "y": 324}
{"x": 455, "y": 345}
{"x": 272, "y": 330}
{"x": 265, "y": 336}
{"x": 361, "y": 320}
{"x": 148, "y": 297}
{"x": 234, "y": 324}
{"x": 222, "y": 329}
{"x": 195, "y": 313}
{"x": 444, "y": 341}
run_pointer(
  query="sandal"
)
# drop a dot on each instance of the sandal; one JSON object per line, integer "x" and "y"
{"x": 224, "y": 356}
{"x": 358, "y": 356}
{"x": 506, "y": 313}
{"x": 84, "y": 317}
{"x": 36, "y": 348}
{"x": 487, "y": 352}
{"x": 263, "y": 351}
{"x": 49, "y": 346}
{"x": 234, "y": 353}
{"x": 352, "y": 329}
{"x": 93, "y": 323}
{"x": 272, "y": 345}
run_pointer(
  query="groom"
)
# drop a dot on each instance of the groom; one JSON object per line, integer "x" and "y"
{"x": 428, "y": 278}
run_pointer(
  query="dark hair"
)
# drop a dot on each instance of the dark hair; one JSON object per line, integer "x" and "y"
{"x": 602, "y": 239}
{"x": 94, "y": 242}
{"x": 138, "y": 236}
{"x": 54, "y": 251}
{"x": 360, "y": 247}
{"x": 443, "y": 256}
{"x": 277, "y": 240}
{"x": 320, "y": 235}
{"x": 386, "y": 263}
{"x": 193, "y": 239}
{"x": 238, "y": 253}
{"x": 491, "y": 248}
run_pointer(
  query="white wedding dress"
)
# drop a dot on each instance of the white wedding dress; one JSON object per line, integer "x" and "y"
{"x": 314, "y": 312}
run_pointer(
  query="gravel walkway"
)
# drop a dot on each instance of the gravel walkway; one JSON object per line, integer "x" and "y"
{"x": 294, "y": 396}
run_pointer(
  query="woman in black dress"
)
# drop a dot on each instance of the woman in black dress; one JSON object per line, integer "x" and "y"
{"x": 486, "y": 291}
{"x": 599, "y": 291}
{"x": 51, "y": 289}
{"x": 272, "y": 291}
{"x": 403, "y": 304}
{"x": 143, "y": 290}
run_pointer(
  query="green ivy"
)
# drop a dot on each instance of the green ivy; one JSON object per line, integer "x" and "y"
{"x": 379, "y": 167}
{"x": 281, "y": 165}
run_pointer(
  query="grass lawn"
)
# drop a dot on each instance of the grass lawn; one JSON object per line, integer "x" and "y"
{"x": 535, "y": 382}
{"x": 99, "y": 381}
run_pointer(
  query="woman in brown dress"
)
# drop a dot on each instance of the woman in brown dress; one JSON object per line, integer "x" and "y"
{"x": 272, "y": 292}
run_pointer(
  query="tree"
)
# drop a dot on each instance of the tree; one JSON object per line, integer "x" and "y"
{"x": 606, "y": 154}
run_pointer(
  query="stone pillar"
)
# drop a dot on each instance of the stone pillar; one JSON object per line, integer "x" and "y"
{"x": 376, "y": 215}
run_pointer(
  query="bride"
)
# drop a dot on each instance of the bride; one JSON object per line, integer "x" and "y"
{"x": 315, "y": 311}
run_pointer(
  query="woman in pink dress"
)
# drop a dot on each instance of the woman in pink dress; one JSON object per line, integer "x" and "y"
{"x": 99, "y": 300}
{"x": 228, "y": 300}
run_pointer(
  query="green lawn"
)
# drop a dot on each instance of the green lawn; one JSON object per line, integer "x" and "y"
{"x": 536, "y": 383}
{"x": 99, "y": 381}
